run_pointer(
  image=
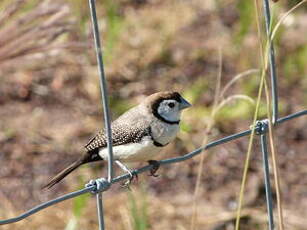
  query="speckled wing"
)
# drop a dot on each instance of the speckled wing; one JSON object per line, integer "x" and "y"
{"x": 131, "y": 127}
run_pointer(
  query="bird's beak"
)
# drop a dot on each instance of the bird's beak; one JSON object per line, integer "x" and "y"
{"x": 184, "y": 104}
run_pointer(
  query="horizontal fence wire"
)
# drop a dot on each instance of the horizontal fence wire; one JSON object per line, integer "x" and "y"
{"x": 105, "y": 185}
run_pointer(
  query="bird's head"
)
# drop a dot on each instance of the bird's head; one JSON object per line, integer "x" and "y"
{"x": 167, "y": 106}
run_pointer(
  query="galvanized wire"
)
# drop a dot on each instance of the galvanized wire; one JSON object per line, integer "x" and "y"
{"x": 266, "y": 169}
{"x": 274, "y": 92}
{"x": 100, "y": 211}
{"x": 47, "y": 204}
{"x": 274, "y": 88}
{"x": 291, "y": 116}
{"x": 103, "y": 87}
{"x": 106, "y": 113}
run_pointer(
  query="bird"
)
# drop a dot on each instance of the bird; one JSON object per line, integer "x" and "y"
{"x": 138, "y": 135}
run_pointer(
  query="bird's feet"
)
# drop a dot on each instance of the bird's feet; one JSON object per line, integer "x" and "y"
{"x": 155, "y": 167}
{"x": 132, "y": 174}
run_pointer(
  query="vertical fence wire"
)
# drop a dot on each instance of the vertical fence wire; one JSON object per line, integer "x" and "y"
{"x": 274, "y": 93}
{"x": 103, "y": 87}
{"x": 267, "y": 16}
{"x": 266, "y": 170}
{"x": 100, "y": 211}
{"x": 106, "y": 113}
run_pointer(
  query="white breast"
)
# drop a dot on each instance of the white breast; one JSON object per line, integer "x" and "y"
{"x": 133, "y": 152}
{"x": 164, "y": 133}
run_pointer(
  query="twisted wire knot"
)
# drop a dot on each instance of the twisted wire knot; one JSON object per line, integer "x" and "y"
{"x": 100, "y": 185}
{"x": 262, "y": 126}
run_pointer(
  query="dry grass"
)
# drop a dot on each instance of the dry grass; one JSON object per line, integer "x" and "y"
{"x": 34, "y": 34}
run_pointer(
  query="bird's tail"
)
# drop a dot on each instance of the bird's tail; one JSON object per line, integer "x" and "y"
{"x": 63, "y": 174}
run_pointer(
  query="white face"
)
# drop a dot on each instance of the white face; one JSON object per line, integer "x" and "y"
{"x": 169, "y": 110}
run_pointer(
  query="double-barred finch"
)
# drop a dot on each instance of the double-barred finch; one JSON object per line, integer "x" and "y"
{"x": 137, "y": 135}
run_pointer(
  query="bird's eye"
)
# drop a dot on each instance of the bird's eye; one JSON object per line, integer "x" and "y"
{"x": 171, "y": 104}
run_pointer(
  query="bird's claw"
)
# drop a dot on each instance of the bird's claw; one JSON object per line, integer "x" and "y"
{"x": 132, "y": 175}
{"x": 155, "y": 167}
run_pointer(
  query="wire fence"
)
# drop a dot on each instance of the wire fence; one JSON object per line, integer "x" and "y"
{"x": 101, "y": 185}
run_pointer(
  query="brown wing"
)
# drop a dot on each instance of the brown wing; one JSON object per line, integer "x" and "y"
{"x": 131, "y": 127}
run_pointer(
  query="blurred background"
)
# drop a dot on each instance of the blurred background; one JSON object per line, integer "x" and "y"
{"x": 50, "y": 106}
